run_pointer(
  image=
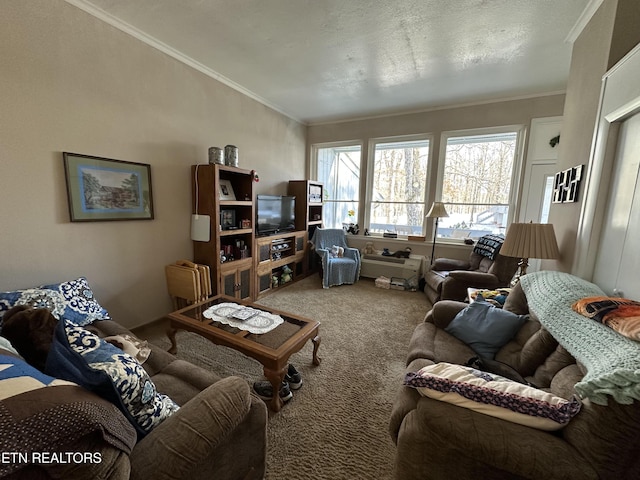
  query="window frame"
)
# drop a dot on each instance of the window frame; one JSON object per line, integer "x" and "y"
{"x": 343, "y": 143}
{"x": 516, "y": 173}
{"x": 370, "y": 167}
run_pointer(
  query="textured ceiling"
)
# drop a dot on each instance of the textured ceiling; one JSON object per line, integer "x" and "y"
{"x": 325, "y": 60}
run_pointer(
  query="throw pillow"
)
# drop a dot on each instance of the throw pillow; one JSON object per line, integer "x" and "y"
{"x": 80, "y": 356}
{"x": 493, "y": 395}
{"x": 484, "y": 327}
{"x": 620, "y": 314}
{"x": 72, "y": 300}
{"x": 489, "y": 246}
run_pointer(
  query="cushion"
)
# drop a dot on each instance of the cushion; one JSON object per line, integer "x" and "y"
{"x": 72, "y": 300}
{"x": 489, "y": 246}
{"x": 80, "y": 356}
{"x": 620, "y": 314}
{"x": 27, "y": 396}
{"x": 484, "y": 327}
{"x": 493, "y": 395}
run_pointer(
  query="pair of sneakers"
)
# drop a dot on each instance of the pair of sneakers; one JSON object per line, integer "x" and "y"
{"x": 292, "y": 381}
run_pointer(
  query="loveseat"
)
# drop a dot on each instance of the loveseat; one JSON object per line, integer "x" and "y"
{"x": 219, "y": 430}
{"x": 439, "y": 439}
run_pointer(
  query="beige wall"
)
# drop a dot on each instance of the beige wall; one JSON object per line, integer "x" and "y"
{"x": 609, "y": 35}
{"x": 70, "y": 82}
{"x": 434, "y": 122}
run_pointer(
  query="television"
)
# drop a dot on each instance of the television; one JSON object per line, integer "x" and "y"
{"x": 275, "y": 213}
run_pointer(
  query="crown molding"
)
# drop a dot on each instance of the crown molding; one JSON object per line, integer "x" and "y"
{"x": 583, "y": 20}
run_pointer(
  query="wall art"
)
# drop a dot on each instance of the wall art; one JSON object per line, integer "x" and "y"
{"x": 101, "y": 189}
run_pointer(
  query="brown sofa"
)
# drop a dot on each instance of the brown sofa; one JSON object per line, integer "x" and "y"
{"x": 219, "y": 431}
{"x": 438, "y": 440}
{"x": 448, "y": 279}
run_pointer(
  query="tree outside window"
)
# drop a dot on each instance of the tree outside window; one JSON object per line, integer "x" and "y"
{"x": 476, "y": 184}
{"x": 399, "y": 187}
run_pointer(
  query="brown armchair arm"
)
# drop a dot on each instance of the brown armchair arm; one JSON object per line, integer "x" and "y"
{"x": 447, "y": 264}
{"x": 455, "y": 285}
{"x": 444, "y": 311}
{"x": 191, "y": 434}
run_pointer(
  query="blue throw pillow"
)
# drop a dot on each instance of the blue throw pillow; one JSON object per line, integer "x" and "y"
{"x": 72, "y": 300}
{"x": 484, "y": 327}
{"x": 79, "y": 356}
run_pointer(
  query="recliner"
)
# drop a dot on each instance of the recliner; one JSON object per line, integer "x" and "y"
{"x": 449, "y": 279}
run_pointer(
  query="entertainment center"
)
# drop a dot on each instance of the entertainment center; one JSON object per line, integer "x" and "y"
{"x": 252, "y": 244}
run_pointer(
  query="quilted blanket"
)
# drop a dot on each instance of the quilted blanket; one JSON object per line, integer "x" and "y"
{"x": 612, "y": 360}
{"x": 41, "y": 415}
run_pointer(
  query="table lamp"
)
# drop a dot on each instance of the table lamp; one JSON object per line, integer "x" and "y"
{"x": 529, "y": 240}
{"x": 437, "y": 210}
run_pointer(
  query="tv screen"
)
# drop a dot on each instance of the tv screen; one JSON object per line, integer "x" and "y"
{"x": 276, "y": 213}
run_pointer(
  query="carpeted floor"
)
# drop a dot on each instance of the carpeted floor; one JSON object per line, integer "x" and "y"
{"x": 336, "y": 426}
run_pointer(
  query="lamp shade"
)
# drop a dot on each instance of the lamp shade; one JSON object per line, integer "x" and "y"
{"x": 437, "y": 211}
{"x": 530, "y": 240}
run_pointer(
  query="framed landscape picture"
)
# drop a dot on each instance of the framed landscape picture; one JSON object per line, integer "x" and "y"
{"x": 101, "y": 189}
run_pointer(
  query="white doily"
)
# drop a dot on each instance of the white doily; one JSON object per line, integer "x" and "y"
{"x": 244, "y": 318}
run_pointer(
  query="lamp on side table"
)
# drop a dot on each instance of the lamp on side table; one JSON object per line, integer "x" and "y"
{"x": 529, "y": 240}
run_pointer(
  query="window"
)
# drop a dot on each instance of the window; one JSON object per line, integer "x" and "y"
{"x": 398, "y": 187}
{"x": 338, "y": 168}
{"x": 476, "y": 184}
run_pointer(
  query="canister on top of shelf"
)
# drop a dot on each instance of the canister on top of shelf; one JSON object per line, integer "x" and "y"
{"x": 216, "y": 155}
{"x": 231, "y": 155}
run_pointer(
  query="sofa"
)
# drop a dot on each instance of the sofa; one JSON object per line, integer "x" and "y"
{"x": 444, "y": 438}
{"x": 65, "y": 431}
{"x": 449, "y": 279}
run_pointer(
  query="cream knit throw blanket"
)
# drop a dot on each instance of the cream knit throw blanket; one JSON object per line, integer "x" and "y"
{"x": 612, "y": 360}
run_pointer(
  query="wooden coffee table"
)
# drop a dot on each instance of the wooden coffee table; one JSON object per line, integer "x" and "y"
{"x": 271, "y": 349}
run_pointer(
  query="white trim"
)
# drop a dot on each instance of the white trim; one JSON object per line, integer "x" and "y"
{"x": 588, "y": 12}
{"x": 619, "y": 97}
{"x": 173, "y": 53}
{"x": 516, "y": 174}
{"x": 368, "y": 192}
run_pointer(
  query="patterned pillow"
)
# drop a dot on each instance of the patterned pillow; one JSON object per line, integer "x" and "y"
{"x": 493, "y": 395}
{"x": 80, "y": 356}
{"x": 72, "y": 300}
{"x": 620, "y": 314}
{"x": 489, "y": 246}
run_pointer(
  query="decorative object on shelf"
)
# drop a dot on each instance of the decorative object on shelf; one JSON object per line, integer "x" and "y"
{"x": 436, "y": 211}
{"x": 226, "y": 190}
{"x": 231, "y": 155}
{"x": 245, "y": 223}
{"x": 228, "y": 219}
{"x": 100, "y": 189}
{"x": 286, "y": 275}
{"x": 216, "y": 155}
{"x": 368, "y": 249}
{"x": 315, "y": 193}
{"x": 529, "y": 240}
{"x": 554, "y": 141}
{"x": 255, "y": 176}
{"x": 566, "y": 185}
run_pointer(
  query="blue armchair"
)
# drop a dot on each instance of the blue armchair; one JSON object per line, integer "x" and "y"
{"x": 336, "y": 270}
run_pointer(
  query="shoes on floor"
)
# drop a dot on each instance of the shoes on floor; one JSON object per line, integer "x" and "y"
{"x": 293, "y": 378}
{"x": 265, "y": 391}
